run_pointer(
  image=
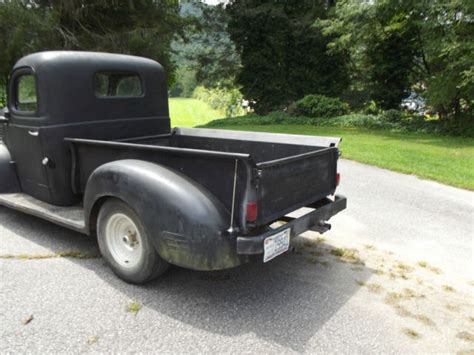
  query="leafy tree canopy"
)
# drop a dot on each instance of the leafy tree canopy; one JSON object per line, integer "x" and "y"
{"x": 284, "y": 57}
{"x": 24, "y": 29}
{"x": 398, "y": 46}
{"x": 206, "y": 56}
{"x": 144, "y": 27}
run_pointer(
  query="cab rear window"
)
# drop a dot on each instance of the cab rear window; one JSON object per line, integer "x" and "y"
{"x": 112, "y": 84}
{"x": 26, "y": 93}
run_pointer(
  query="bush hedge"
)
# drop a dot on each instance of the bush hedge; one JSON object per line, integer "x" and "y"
{"x": 228, "y": 101}
{"x": 391, "y": 121}
{"x": 318, "y": 106}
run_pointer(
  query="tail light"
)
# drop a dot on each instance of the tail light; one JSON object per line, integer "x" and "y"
{"x": 338, "y": 179}
{"x": 252, "y": 211}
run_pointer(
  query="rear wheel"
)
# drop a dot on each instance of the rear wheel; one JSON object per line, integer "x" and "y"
{"x": 125, "y": 244}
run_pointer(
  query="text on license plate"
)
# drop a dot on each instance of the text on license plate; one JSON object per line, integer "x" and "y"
{"x": 276, "y": 244}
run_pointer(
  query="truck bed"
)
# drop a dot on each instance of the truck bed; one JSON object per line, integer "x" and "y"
{"x": 294, "y": 170}
{"x": 280, "y": 172}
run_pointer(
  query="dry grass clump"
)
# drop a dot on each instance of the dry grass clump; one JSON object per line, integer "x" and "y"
{"x": 375, "y": 288}
{"x": 465, "y": 336}
{"x": 394, "y": 299}
{"x": 452, "y": 307}
{"x": 409, "y": 293}
{"x": 434, "y": 270}
{"x": 62, "y": 254}
{"x": 134, "y": 307}
{"x": 402, "y": 267}
{"x": 425, "y": 320}
{"x": 422, "y": 263}
{"x": 92, "y": 339}
{"x": 347, "y": 255}
{"x": 448, "y": 288}
{"x": 411, "y": 333}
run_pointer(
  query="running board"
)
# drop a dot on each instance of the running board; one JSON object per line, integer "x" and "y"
{"x": 70, "y": 217}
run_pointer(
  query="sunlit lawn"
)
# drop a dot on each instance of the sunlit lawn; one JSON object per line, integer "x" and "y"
{"x": 186, "y": 112}
{"x": 449, "y": 160}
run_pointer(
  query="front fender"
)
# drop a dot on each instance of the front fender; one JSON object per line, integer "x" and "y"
{"x": 8, "y": 177}
{"x": 186, "y": 222}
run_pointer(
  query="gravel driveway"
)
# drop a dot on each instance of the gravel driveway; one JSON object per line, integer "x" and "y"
{"x": 395, "y": 275}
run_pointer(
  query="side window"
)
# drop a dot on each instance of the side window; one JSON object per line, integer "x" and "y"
{"x": 117, "y": 85}
{"x": 26, "y": 93}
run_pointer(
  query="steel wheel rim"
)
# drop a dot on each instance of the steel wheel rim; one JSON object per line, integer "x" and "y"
{"x": 123, "y": 240}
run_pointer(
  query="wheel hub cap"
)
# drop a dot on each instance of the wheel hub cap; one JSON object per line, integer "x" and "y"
{"x": 124, "y": 240}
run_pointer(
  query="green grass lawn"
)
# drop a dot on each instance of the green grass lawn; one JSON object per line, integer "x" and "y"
{"x": 186, "y": 112}
{"x": 449, "y": 160}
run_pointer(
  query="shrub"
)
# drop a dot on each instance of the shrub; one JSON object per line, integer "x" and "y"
{"x": 318, "y": 106}
{"x": 371, "y": 108}
{"x": 282, "y": 118}
{"x": 227, "y": 101}
{"x": 392, "y": 115}
{"x": 463, "y": 126}
{"x": 3, "y": 96}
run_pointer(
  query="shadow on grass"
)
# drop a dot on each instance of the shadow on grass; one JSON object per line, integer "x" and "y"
{"x": 284, "y": 302}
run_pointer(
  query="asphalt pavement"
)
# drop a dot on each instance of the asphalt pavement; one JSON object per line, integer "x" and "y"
{"x": 413, "y": 217}
{"x": 394, "y": 275}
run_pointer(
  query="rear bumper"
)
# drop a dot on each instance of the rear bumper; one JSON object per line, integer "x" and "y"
{"x": 323, "y": 211}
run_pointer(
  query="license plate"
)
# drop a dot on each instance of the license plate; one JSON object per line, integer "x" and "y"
{"x": 275, "y": 245}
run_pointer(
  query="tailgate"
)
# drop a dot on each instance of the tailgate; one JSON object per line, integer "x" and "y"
{"x": 294, "y": 182}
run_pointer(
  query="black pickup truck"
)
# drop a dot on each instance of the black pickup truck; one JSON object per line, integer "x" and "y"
{"x": 88, "y": 145}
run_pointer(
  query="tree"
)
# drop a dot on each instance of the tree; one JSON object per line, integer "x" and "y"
{"x": 144, "y": 27}
{"x": 217, "y": 58}
{"x": 206, "y": 56}
{"x": 398, "y": 46}
{"x": 388, "y": 64}
{"x": 24, "y": 29}
{"x": 284, "y": 57}
{"x": 380, "y": 42}
{"x": 446, "y": 37}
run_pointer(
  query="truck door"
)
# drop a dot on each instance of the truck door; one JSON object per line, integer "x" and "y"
{"x": 23, "y": 134}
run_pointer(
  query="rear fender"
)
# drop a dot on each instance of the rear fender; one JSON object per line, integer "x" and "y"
{"x": 8, "y": 177}
{"x": 186, "y": 222}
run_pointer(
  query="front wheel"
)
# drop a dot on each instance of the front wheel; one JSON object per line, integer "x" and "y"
{"x": 125, "y": 244}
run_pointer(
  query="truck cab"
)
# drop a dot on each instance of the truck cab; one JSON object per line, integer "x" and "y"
{"x": 88, "y": 145}
{"x": 54, "y": 95}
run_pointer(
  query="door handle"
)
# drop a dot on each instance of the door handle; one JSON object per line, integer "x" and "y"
{"x": 33, "y": 133}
